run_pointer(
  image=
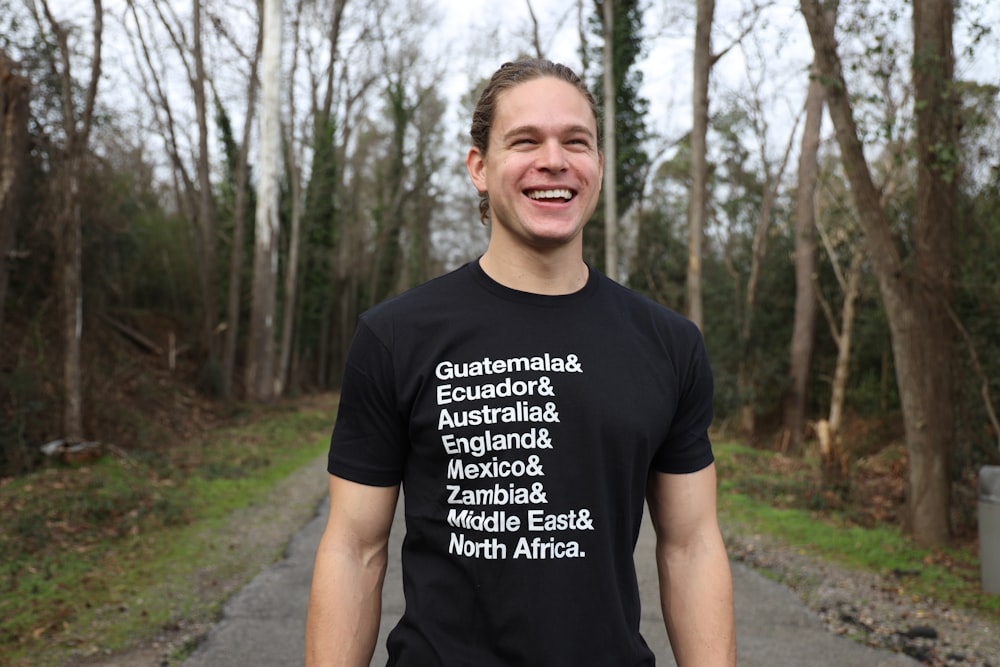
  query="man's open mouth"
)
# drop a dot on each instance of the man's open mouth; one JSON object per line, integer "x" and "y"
{"x": 557, "y": 194}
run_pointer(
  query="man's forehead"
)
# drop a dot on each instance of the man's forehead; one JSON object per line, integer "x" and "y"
{"x": 544, "y": 103}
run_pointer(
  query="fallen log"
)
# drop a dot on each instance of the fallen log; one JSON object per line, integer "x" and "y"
{"x": 133, "y": 335}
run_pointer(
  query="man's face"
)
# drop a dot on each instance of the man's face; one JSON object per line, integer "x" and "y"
{"x": 543, "y": 168}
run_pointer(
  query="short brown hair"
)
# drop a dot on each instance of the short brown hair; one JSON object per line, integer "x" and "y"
{"x": 508, "y": 76}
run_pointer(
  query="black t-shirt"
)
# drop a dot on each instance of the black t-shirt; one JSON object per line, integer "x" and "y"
{"x": 523, "y": 428}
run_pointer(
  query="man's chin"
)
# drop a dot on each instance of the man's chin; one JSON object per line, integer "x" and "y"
{"x": 554, "y": 239}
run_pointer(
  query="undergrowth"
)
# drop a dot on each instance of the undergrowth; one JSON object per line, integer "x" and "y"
{"x": 783, "y": 496}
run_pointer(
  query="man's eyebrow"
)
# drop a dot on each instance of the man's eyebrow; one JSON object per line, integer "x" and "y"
{"x": 529, "y": 129}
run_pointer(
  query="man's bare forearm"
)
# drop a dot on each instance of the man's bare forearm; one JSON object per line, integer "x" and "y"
{"x": 345, "y": 607}
{"x": 697, "y": 601}
{"x": 345, "y": 604}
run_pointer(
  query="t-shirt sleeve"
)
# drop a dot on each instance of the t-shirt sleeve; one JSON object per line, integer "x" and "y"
{"x": 688, "y": 448}
{"x": 369, "y": 441}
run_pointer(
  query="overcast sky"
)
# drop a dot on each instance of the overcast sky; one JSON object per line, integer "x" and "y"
{"x": 669, "y": 39}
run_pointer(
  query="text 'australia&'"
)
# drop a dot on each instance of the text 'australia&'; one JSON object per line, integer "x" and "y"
{"x": 520, "y": 412}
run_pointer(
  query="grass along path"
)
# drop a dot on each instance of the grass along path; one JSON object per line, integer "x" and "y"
{"x": 761, "y": 492}
{"x": 134, "y": 556}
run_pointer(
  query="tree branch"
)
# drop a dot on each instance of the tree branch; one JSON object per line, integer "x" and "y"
{"x": 974, "y": 357}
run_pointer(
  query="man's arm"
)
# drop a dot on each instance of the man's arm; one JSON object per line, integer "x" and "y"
{"x": 345, "y": 604}
{"x": 696, "y": 589}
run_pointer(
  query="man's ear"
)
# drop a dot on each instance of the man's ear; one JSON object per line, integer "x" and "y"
{"x": 475, "y": 164}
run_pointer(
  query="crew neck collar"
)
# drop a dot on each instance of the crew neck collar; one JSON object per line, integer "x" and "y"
{"x": 512, "y": 294}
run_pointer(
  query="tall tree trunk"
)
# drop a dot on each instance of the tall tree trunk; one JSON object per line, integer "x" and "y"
{"x": 744, "y": 374}
{"x": 698, "y": 205}
{"x": 772, "y": 182}
{"x": 70, "y": 255}
{"x": 14, "y": 94}
{"x": 916, "y": 293}
{"x": 936, "y": 104}
{"x": 233, "y": 298}
{"x": 260, "y": 351}
{"x": 610, "y": 148}
{"x": 283, "y": 374}
{"x": 843, "y": 338}
{"x": 804, "y": 326}
{"x": 206, "y": 214}
{"x": 321, "y": 218}
{"x": 833, "y": 457}
{"x": 69, "y": 232}
{"x": 394, "y": 194}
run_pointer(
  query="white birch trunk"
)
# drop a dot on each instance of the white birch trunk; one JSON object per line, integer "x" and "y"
{"x": 260, "y": 355}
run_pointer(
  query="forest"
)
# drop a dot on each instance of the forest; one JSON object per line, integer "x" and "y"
{"x": 198, "y": 198}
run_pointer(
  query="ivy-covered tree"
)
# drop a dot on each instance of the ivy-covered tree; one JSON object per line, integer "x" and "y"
{"x": 321, "y": 228}
{"x": 631, "y": 161}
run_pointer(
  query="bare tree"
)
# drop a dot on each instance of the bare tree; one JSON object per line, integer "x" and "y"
{"x": 704, "y": 61}
{"x": 581, "y": 33}
{"x": 317, "y": 323}
{"x": 77, "y": 124}
{"x": 189, "y": 155}
{"x": 828, "y": 431}
{"x": 404, "y": 179}
{"x": 206, "y": 204}
{"x": 536, "y": 42}
{"x": 260, "y": 352}
{"x": 698, "y": 204}
{"x": 534, "y": 37}
{"x": 293, "y": 168}
{"x": 14, "y": 92}
{"x": 916, "y": 292}
{"x": 773, "y": 176}
{"x": 610, "y": 148}
{"x": 233, "y": 298}
{"x": 166, "y": 120}
{"x": 804, "y": 326}
{"x": 329, "y": 126}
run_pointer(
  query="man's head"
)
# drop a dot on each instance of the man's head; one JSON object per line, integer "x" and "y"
{"x": 504, "y": 79}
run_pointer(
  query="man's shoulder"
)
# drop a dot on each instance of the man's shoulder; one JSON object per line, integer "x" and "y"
{"x": 638, "y": 305}
{"x": 444, "y": 289}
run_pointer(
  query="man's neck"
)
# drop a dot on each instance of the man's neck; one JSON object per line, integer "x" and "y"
{"x": 553, "y": 273}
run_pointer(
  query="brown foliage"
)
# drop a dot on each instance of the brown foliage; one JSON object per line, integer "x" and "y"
{"x": 132, "y": 399}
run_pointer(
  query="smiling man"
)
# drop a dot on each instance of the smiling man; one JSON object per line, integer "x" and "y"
{"x": 529, "y": 407}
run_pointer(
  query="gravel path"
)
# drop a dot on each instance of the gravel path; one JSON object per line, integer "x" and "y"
{"x": 873, "y": 609}
{"x": 863, "y": 606}
{"x": 254, "y": 536}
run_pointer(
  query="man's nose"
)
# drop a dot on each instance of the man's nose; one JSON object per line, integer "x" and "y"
{"x": 553, "y": 155}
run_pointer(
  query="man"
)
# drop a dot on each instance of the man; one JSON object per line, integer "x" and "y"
{"x": 527, "y": 405}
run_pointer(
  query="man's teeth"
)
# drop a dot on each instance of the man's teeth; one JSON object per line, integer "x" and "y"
{"x": 550, "y": 194}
